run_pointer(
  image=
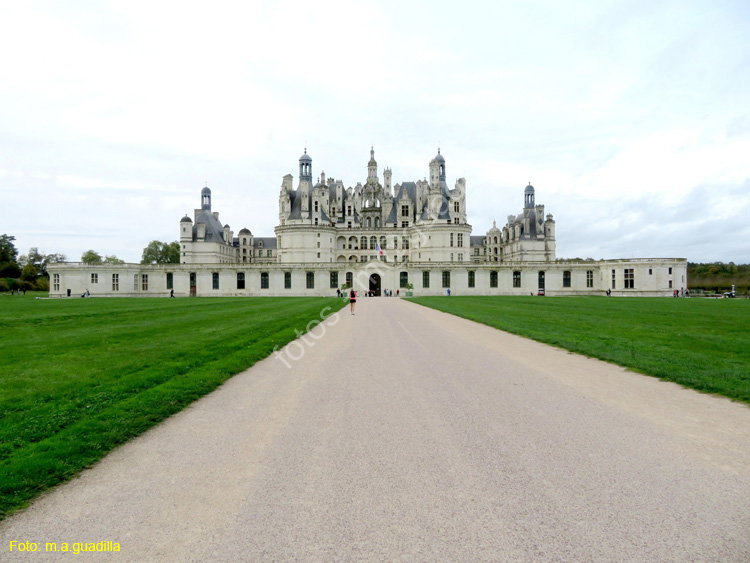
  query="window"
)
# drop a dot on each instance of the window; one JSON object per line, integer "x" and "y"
{"x": 613, "y": 279}
{"x": 629, "y": 278}
{"x": 460, "y": 239}
{"x": 446, "y": 279}
{"x": 395, "y": 243}
{"x": 264, "y": 280}
{"x": 56, "y": 282}
{"x": 382, "y": 243}
{"x": 649, "y": 271}
{"x": 455, "y": 206}
{"x": 566, "y": 278}
{"x": 240, "y": 280}
{"x": 260, "y": 244}
{"x": 363, "y": 243}
{"x": 316, "y": 207}
{"x": 269, "y": 253}
{"x": 310, "y": 279}
{"x": 94, "y": 278}
{"x": 403, "y": 279}
{"x": 318, "y": 244}
{"x": 404, "y": 224}
{"x": 451, "y": 257}
{"x": 404, "y": 211}
{"x": 426, "y": 280}
{"x": 589, "y": 278}
{"x": 405, "y": 242}
{"x": 373, "y": 242}
{"x": 115, "y": 282}
{"x": 516, "y": 279}
{"x": 349, "y": 279}
{"x": 670, "y": 271}
{"x": 349, "y": 211}
{"x": 451, "y": 239}
{"x": 471, "y": 278}
{"x": 135, "y": 282}
{"x": 476, "y": 251}
{"x": 334, "y": 280}
{"x": 316, "y": 220}
{"x": 144, "y": 282}
{"x": 287, "y": 280}
{"x": 170, "y": 280}
{"x": 493, "y": 278}
{"x": 670, "y": 284}
{"x": 215, "y": 279}
{"x": 541, "y": 279}
{"x": 460, "y": 257}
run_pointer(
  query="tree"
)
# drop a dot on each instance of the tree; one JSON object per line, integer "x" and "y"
{"x": 8, "y": 250}
{"x": 9, "y": 270}
{"x": 112, "y": 259}
{"x": 91, "y": 257}
{"x": 158, "y": 252}
{"x": 38, "y": 261}
{"x": 29, "y": 272}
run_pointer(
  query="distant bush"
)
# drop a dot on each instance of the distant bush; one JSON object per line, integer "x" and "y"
{"x": 41, "y": 284}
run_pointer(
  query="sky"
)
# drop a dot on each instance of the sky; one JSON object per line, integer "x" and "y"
{"x": 631, "y": 119}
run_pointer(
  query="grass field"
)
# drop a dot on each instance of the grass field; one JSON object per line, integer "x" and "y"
{"x": 699, "y": 343}
{"x": 81, "y": 376}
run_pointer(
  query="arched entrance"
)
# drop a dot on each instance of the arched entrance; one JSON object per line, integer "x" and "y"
{"x": 375, "y": 284}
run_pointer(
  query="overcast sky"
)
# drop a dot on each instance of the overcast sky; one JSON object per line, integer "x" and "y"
{"x": 631, "y": 119}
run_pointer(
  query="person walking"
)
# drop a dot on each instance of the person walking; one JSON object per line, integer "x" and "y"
{"x": 171, "y": 292}
{"x": 352, "y": 299}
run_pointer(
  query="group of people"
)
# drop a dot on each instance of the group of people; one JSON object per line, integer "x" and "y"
{"x": 681, "y": 293}
{"x": 371, "y": 293}
{"x": 18, "y": 291}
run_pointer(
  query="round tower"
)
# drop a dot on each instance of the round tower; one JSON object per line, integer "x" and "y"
{"x": 186, "y": 229}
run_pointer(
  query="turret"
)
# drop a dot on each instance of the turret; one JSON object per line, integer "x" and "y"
{"x": 305, "y": 167}
{"x": 528, "y": 197}
{"x": 206, "y": 199}
{"x": 305, "y": 183}
{"x": 186, "y": 229}
{"x": 372, "y": 167}
{"x": 387, "y": 181}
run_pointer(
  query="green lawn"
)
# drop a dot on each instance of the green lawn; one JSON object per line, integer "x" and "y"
{"x": 81, "y": 376}
{"x": 699, "y": 343}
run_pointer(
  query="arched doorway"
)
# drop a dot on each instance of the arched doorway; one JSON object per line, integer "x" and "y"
{"x": 375, "y": 284}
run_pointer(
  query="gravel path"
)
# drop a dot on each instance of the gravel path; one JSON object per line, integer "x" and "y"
{"x": 407, "y": 434}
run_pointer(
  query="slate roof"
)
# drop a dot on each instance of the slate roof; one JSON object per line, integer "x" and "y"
{"x": 268, "y": 242}
{"x": 214, "y": 229}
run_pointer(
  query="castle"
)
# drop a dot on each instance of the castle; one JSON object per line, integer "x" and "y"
{"x": 374, "y": 236}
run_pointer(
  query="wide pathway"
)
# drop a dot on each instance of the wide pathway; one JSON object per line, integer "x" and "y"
{"x": 406, "y": 434}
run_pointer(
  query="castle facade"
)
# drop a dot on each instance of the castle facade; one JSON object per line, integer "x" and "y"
{"x": 413, "y": 236}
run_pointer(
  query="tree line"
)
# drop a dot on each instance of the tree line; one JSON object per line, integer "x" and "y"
{"x": 718, "y": 277}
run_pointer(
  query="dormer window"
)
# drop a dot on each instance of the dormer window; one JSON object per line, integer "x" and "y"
{"x": 260, "y": 244}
